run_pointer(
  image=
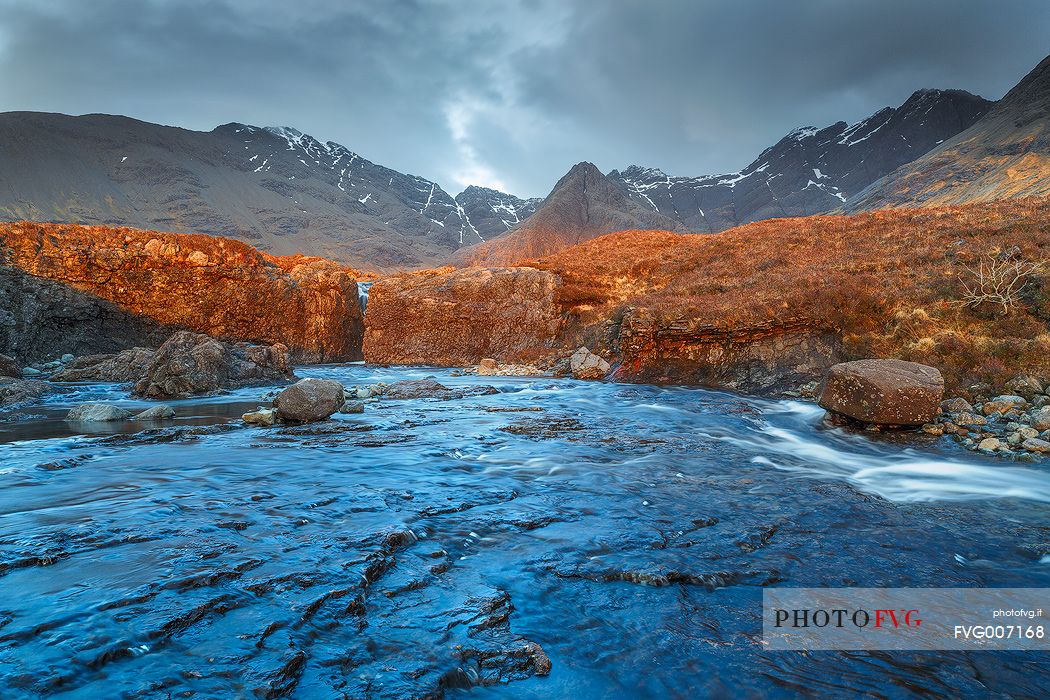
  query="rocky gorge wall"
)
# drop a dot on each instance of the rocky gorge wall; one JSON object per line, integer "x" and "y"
{"x": 519, "y": 315}
{"x": 454, "y": 318}
{"x": 771, "y": 357}
{"x": 153, "y": 281}
{"x": 41, "y": 320}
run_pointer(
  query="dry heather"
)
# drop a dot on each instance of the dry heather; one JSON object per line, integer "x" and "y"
{"x": 889, "y": 282}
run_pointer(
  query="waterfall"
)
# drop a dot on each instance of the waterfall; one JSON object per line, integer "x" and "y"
{"x": 362, "y": 294}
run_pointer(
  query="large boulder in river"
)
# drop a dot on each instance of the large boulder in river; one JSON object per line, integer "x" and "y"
{"x": 883, "y": 392}
{"x": 191, "y": 363}
{"x": 309, "y": 400}
{"x": 9, "y": 367}
{"x": 97, "y": 413}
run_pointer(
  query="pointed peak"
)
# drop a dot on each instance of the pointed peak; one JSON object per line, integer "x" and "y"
{"x": 584, "y": 168}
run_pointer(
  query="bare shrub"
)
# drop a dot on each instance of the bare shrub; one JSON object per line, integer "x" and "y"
{"x": 998, "y": 279}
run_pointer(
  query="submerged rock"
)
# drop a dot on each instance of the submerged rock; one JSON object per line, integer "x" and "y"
{"x": 161, "y": 412}
{"x": 9, "y": 367}
{"x": 883, "y": 392}
{"x": 429, "y": 388}
{"x": 309, "y": 400}
{"x": 192, "y": 363}
{"x": 584, "y": 364}
{"x": 97, "y": 413}
{"x": 415, "y": 389}
{"x": 353, "y": 407}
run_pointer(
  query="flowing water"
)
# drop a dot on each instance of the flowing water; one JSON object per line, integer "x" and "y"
{"x": 427, "y": 547}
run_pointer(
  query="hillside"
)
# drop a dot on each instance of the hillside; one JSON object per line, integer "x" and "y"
{"x": 1006, "y": 154}
{"x": 769, "y": 305}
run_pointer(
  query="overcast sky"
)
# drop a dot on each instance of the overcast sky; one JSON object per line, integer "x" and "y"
{"x": 510, "y": 94}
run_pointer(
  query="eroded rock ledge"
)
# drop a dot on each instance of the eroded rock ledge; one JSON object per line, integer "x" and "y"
{"x": 218, "y": 286}
{"x": 459, "y": 317}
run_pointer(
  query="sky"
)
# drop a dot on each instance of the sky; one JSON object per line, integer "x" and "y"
{"x": 511, "y": 93}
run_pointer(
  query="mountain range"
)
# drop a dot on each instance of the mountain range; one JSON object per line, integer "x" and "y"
{"x": 277, "y": 188}
{"x": 287, "y": 192}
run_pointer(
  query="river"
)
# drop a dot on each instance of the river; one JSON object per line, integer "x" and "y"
{"x": 432, "y": 547}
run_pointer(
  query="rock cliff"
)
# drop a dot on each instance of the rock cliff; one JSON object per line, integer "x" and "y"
{"x": 156, "y": 282}
{"x": 456, "y": 318}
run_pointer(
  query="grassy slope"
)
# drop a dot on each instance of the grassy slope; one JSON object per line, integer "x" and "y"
{"x": 887, "y": 281}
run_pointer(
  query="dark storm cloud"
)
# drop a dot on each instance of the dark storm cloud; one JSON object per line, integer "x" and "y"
{"x": 512, "y": 93}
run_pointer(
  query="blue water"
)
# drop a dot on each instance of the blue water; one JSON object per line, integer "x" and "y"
{"x": 424, "y": 547}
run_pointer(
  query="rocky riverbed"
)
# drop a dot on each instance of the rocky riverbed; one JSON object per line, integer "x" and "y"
{"x": 552, "y": 538}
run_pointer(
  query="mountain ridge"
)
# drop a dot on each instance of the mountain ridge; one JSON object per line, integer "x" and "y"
{"x": 1005, "y": 154}
{"x": 810, "y": 170}
{"x": 275, "y": 187}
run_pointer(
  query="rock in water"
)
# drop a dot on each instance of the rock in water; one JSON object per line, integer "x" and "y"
{"x": 264, "y": 416}
{"x": 488, "y": 367}
{"x": 883, "y": 392}
{"x": 416, "y": 389}
{"x": 97, "y": 413}
{"x": 353, "y": 407}
{"x": 309, "y": 400}
{"x": 9, "y": 367}
{"x": 192, "y": 363}
{"x": 15, "y": 391}
{"x": 125, "y": 366}
{"x": 586, "y": 365}
{"x": 161, "y": 412}
{"x": 989, "y": 444}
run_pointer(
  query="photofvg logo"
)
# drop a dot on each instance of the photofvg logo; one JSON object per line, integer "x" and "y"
{"x": 906, "y": 618}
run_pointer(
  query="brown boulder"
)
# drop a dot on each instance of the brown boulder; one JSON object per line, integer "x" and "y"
{"x": 309, "y": 400}
{"x": 883, "y": 392}
{"x": 191, "y": 363}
